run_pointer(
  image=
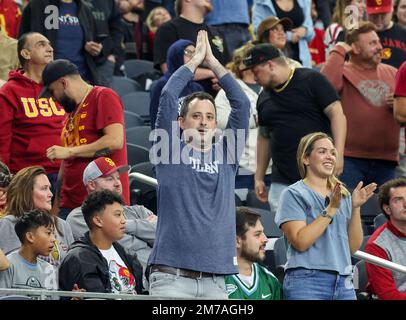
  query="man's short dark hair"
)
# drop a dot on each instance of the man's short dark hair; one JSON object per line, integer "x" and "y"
{"x": 96, "y": 202}
{"x": 31, "y": 221}
{"x": 384, "y": 191}
{"x": 246, "y": 218}
{"x": 196, "y": 95}
{"x": 21, "y": 45}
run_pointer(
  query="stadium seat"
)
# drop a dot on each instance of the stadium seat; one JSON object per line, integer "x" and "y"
{"x": 280, "y": 258}
{"x": 132, "y": 120}
{"x": 361, "y": 281}
{"x": 123, "y": 86}
{"x": 138, "y": 102}
{"x": 142, "y": 193}
{"x": 370, "y": 209}
{"x": 136, "y": 154}
{"x": 136, "y": 67}
{"x": 379, "y": 220}
{"x": 238, "y": 201}
{"x": 139, "y": 136}
{"x": 253, "y": 201}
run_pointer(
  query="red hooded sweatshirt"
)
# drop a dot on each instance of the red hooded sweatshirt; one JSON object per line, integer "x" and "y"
{"x": 28, "y": 126}
{"x": 10, "y": 18}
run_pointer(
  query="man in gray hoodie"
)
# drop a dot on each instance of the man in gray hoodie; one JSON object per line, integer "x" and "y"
{"x": 140, "y": 226}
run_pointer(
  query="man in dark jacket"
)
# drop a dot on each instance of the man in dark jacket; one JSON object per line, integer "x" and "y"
{"x": 97, "y": 262}
{"x": 71, "y": 30}
{"x": 110, "y": 33}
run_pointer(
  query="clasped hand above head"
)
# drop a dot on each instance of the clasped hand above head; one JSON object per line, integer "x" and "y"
{"x": 203, "y": 52}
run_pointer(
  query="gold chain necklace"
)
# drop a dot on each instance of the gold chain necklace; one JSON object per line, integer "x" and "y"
{"x": 72, "y": 116}
{"x": 292, "y": 72}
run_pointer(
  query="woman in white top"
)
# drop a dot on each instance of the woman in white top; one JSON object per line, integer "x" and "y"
{"x": 245, "y": 78}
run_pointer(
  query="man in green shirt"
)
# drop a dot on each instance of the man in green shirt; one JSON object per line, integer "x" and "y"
{"x": 253, "y": 282}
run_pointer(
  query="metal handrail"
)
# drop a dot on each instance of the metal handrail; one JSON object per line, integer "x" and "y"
{"x": 144, "y": 178}
{"x": 42, "y": 293}
{"x": 379, "y": 261}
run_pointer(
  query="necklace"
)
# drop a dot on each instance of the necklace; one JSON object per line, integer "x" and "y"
{"x": 292, "y": 72}
{"x": 71, "y": 122}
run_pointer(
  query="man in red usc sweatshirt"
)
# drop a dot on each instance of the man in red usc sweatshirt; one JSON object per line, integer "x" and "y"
{"x": 28, "y": 126}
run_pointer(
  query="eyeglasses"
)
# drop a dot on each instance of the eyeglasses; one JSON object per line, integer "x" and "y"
{"x": 189, "y": 53}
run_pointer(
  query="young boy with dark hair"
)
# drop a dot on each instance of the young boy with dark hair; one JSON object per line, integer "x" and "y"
{"x": 35, "y": 229}
{"x": 96, "y": 262}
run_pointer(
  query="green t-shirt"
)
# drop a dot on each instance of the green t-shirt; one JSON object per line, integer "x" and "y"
{"x": 265, "y": 286}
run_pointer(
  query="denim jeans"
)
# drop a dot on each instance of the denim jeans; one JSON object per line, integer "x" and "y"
{"x": 174, "y": 286}
{"x": 307, "y": 284}
{"x": 274, "y": 195}
{"x": 366, "y": 170}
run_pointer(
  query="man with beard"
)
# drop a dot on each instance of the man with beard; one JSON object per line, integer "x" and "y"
{"x": 28, "y": 126}
{"x": 294, "y": 103}
{"x": 186, "y": 25}
{"x": 388, "y": 242}
{"x": 366, "y": 88}
{"x": 253, "y": 281}
{"x": 94, "y": 128}
{"x": 392, "y": 35}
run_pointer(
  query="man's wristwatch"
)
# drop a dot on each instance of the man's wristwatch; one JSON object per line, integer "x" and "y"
{"x": 325, "y": 214}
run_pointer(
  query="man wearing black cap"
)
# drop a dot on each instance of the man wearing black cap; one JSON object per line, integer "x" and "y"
{"x": 294, "y": 102}
{"x": 94, "y": 128}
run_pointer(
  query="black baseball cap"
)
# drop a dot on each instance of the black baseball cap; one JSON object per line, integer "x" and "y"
{"x": 261, "y": 53}
{"x": 55, "y": 70}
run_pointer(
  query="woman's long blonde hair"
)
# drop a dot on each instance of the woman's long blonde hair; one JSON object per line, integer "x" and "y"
{"x": 304, "y": 150}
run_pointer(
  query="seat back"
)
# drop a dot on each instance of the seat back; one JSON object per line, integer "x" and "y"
{"x": 136, "y": 154}
{"x": 142, "y": 193}
{"x": 136, "y": 67}
{"x": 280, "y": 252}
{"x": 253, "y": 201}
{"x": 132, "y": 120}
{"x": 379, "y": 220}
{"x": 139, "y": 136}
{"x": 370, "y": 209}
{"x": 123, "y": 86}
{"x": 138, "y": 102}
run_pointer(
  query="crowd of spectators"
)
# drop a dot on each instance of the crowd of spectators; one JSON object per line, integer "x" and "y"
{"x": 315, "y": 89}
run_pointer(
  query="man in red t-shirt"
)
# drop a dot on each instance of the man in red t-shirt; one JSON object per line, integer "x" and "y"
{"x": 94, "y": 128}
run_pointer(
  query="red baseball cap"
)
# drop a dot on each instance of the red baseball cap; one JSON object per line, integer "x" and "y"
{"x": 101, "y": 167}
{"x": 379, "y": 6}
